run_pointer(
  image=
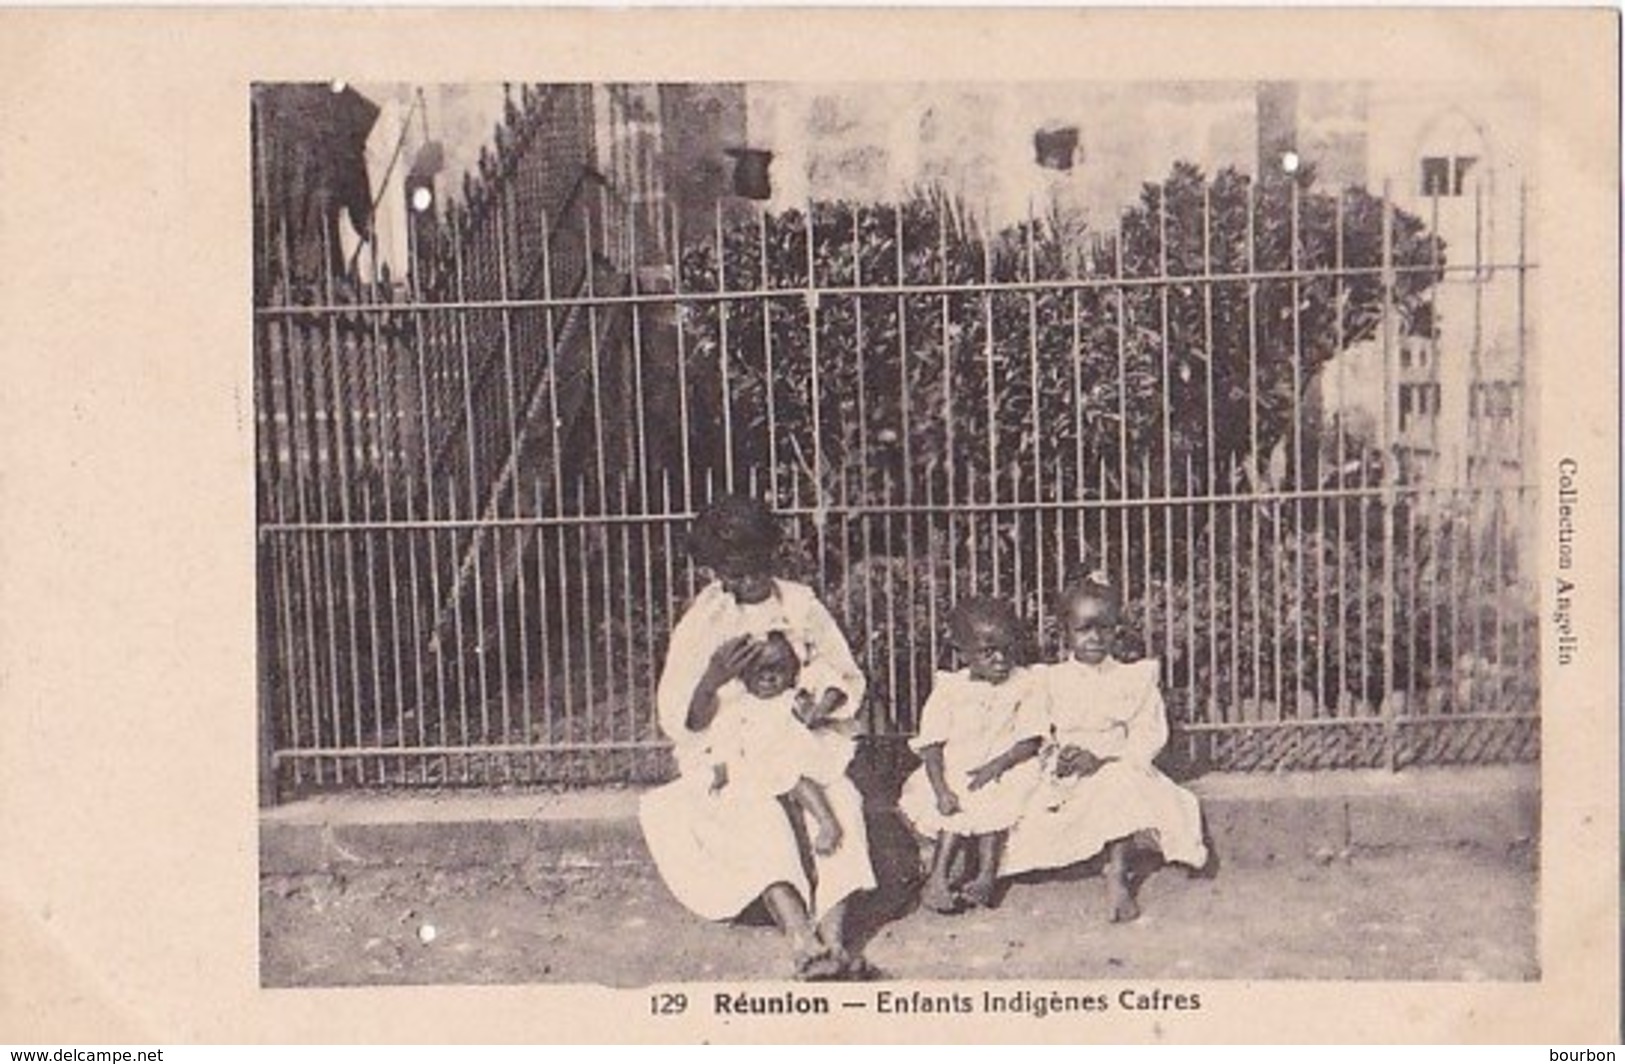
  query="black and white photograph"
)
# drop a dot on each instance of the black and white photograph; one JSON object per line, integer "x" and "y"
{"x": 963, "y": 526}
{"x": 813, "y": 531}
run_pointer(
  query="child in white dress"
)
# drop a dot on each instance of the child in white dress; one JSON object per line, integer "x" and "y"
{"x": 1100, "y": 790}
{"x": 719, "y": 852}
{"x": 980, "y": 733}
{"x": 760, "y": 742}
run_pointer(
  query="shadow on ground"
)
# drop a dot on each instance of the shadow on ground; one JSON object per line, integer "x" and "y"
{"x": 1442, "y": 914}
{"x": 1463, "y": 912}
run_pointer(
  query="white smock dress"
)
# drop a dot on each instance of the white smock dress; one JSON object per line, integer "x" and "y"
{"x": 717, "y": 852}
{"x": 974, "y": 722}
{"x": 766, "y": 748}
{"x": 1113, "y": 710}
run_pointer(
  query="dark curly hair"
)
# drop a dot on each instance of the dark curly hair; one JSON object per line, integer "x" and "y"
{"x": 1092, "y": 589}
{"x": 734, "y": 527}
{"x": 981, "y": 611}
{"x": 775, "y": 648}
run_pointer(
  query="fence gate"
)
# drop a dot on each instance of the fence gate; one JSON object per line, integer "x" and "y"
{"x": 1287, "y": 424}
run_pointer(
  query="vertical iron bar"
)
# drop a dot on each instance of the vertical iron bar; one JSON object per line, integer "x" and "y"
{"x": 905, "y": 400}
{"x": 1191, "y": 693}
{"x": 1037, "y": 438}
{"x": 1106, "y": 552}
{"x": 1433, "y": 363}
{"x": 1125, "y": 590}
{"x": 1390, "y": 472}
{"x": 561, "y": 591}
{"x": 265, "y": 640}
{"x": 1524, "y": 585}
{"x": 342, "y": 488}
{"x": 493, "y": 507}
{"x": 398, "y": 675}
{"x": 467, "y": 672}
{"x": 1146, "y": 506}
{"x": 1211, "y": 486}
{"x": 544, "y": 602}
{"x": 1255, "y": 458}
{"x": 933, "y": 621}
{"x": 865, "y": 529}
{"x": 1341, "y": 458}
{"x": 950, "y": 452}
{"x": 684, "y": 428}
{"x": 531, "y": 377}
{"x": 372, "y": 636}
{"x": 1479, "y": 394}
{"x": 426, "y": 477}
{"x": 820, "y": 504}
{"x": 1079, "y": 479}
{"x": 1461, "y": 577}
{"x": 601, "y": 538}
{"x": 290, "y": 655}
{"x": 973, "y": 536}
{"x": 1237, "y": 700}
{"x": 1104, "y": 529}
{"x": 1166, "y": 515}
{"x": 583, "y": 583}
{"x": 722, "y": 355}
{"x": 301, "y": 456}
{"x": 1059, "y": 530}
{"x": 462, "y": 330}
{"x": 1299, "y": 555}
{"x": 668, "y": 553}
{"x": 893, "y": 645}
{"x": 769, "y": 378}
{"x": 641, "y": 419}
{"x": 626, "y": 641}
{"x": 991, "y": 401}
{"x": 268, "y": 501}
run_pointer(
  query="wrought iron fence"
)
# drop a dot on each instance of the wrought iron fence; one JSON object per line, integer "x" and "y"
{"x": 474, "y": 482}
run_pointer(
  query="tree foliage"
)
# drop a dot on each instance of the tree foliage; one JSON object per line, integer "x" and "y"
{"x": 902, "y": 355}
{"x": 902, "y": 351}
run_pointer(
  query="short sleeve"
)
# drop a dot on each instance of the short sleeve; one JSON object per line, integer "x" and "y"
{"x": 1032, "y": 715}
{"x": 827, "y": 648}
{"x": 688, "y": 653}
{"x": 1147, "y": 717}
{"x": 936, "y": 716}
{"x": 821, "y": 675}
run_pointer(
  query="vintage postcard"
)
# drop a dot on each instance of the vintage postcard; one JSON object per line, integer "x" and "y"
{"x": 811, "y": 526}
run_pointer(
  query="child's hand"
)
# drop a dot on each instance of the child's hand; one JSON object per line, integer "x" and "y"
{"x": 982, "y": 775}
{"x": 828, "y": 839}
{"x": 806, "y": 707}
{"x": 728, "y": 661}
{"x": 1076, "y": 761}
{"x": 816, "y": 713}
{"x": 947, "y": 802}
{"x": 850, "y": 728}
{"x": 1066, "y": 759}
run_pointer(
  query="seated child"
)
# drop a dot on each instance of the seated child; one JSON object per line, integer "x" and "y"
{"x": 980, "y": 732}
{"x": 772, "y": 735}
{"x": 1100, "y": 789}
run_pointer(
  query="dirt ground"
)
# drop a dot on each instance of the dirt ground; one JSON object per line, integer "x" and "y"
{"x": 1436, "y": 914}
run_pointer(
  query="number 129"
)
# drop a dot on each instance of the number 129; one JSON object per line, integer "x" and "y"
{"x": 668, "y": 1004}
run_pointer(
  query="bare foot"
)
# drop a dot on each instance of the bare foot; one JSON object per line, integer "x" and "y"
{"x": 827, "y": 840}
{"x": 979, "y": 892}
{"x": 819, "y": 966}
{"x": 938, "y": 898}
{"x": 1120, "y": 900}
{"x": 855, "y": 967}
